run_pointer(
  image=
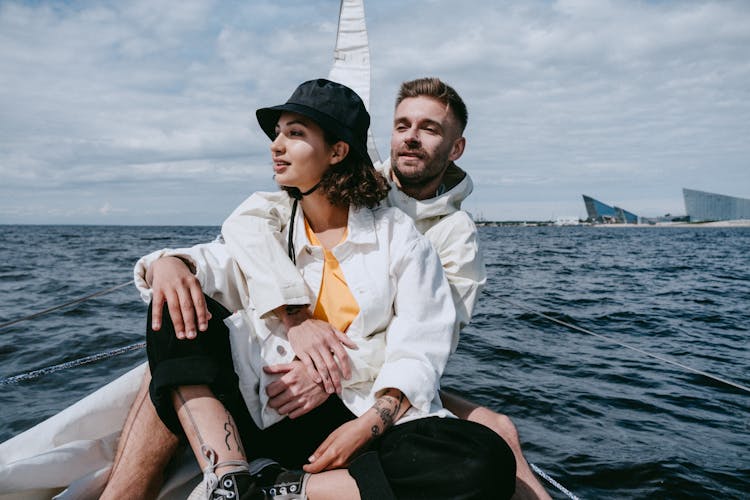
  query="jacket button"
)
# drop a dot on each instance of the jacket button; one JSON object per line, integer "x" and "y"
{"x": 280, "y": 349}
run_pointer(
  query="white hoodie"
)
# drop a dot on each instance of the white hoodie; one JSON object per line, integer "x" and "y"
{"x": 453, "y": 235}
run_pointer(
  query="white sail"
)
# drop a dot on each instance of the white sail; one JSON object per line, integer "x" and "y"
{"x": 351, "y": 58}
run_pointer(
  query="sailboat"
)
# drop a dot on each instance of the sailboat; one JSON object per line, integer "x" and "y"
{"x": 69, "y": 455}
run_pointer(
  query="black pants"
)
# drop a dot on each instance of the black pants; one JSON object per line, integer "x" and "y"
{"x": 427, "y": 458}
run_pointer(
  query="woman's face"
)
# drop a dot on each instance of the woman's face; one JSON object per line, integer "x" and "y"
{"x": 300, "y": 153}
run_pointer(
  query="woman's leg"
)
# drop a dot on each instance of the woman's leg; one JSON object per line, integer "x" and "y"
{"x": 193, "y": 389}
{"x": 210, "y": 429}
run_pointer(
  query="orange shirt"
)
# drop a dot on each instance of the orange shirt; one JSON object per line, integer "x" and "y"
{"x": 335, "y": 304}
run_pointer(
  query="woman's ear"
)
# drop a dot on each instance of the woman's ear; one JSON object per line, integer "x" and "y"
{"x": 339, "y": 152}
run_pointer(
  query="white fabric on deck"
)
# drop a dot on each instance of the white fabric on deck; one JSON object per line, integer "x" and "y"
{"x": 70, "y": 454}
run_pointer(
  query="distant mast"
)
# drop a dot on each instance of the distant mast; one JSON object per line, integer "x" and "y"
{"x": 351, "y": 57}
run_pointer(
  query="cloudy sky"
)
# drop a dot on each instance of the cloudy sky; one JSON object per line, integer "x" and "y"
{"x": 142, "y": 112}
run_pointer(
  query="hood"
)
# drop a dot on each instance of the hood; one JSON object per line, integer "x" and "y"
{"x": 439, "y": 206}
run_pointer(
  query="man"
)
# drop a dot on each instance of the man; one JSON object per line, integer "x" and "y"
{"x": 427, "y": 139}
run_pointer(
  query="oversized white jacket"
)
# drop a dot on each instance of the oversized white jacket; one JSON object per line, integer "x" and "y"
{"x": 403, "y": 331}
{"x": 250, "y": 229}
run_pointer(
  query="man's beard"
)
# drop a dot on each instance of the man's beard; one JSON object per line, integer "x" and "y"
{"x": 416, "y": 180}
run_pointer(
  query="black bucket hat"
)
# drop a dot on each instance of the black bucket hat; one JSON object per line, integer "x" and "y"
{"x": 336, "y": 108}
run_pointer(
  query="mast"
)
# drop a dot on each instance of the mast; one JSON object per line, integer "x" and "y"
{"x": 351, "y": 57}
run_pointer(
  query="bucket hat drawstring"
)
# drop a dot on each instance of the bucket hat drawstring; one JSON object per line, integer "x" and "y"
{"x": 297, "y": 195}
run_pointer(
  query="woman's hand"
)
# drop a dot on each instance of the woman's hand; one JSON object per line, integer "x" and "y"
{"x": 172, "y": 282}
{"x": 316, "y": 343}
{"x": 343, "y": 444}
{"x": 294, "y": 393}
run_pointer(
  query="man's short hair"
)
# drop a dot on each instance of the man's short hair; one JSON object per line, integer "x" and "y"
{"x": 436, "y": 89}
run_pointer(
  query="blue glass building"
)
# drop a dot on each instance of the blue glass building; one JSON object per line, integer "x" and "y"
{"x": 704, "y": 207}
{"x": 605, "y": 214}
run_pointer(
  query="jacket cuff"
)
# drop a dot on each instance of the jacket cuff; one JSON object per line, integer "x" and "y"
{"x": 289, "y": 294}
{"x": 412, "y": 378}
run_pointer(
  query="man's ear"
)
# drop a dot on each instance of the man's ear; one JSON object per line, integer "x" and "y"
{"x": 339, "y": 152}
{"x": 458, "y": 148}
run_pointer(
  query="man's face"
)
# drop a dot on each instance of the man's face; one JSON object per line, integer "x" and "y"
{"x": 426, "y": 137}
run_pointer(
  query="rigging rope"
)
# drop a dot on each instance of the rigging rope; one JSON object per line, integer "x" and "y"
{"x": 554, "y": 483}
{"x": 70, "y": 364}
{"x": 627, "y": 346}
{"x": 76, "y": 362}
{"x": 55, "y": 308}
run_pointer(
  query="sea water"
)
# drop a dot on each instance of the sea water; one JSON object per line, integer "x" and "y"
{"x": 604, "y": 420}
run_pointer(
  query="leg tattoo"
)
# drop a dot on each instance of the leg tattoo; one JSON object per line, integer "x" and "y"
{"x": 231, "y": 431}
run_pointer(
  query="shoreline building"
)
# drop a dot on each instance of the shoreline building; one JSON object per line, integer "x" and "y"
{"x": 701, "y": 206}
{"x": 605, "y": 214}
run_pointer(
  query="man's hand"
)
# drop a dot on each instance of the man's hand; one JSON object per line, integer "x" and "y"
{"x": 172, "y": 282}
{"x": 343, "y": 444}
{"x": 316, "y": 343}
{"x": 295, "y": 393}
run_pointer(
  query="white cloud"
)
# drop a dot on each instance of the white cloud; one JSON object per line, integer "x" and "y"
{"x": 118, "y": 102}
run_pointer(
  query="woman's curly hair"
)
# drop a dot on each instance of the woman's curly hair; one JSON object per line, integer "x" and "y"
{"x": 352, "y": 181}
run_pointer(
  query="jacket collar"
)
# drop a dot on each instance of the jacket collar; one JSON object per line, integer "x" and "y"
{"x": 438, "y": 206}
{"x": 360, "y": 230}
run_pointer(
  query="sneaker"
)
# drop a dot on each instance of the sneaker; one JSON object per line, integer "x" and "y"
{"x": 235, "y": 485}
{"x": 277, "y": 482}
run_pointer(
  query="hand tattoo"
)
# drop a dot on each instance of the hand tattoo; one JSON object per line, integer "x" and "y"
{"x": 388, "y": 408}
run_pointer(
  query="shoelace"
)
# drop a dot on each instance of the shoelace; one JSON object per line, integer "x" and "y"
{"x": 210, "y": 478}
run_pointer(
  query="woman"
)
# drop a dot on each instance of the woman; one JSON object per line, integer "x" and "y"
{"x": 376, "y": 279}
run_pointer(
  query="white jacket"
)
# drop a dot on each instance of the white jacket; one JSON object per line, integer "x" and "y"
{"x": 403, "y": 331}
{"x": 453, "y": 235}
{"x": 248, "y": 232}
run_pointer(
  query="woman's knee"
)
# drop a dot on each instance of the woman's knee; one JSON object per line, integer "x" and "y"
{"x": 204, "y": 360}
{"x": 217, "y": 310}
